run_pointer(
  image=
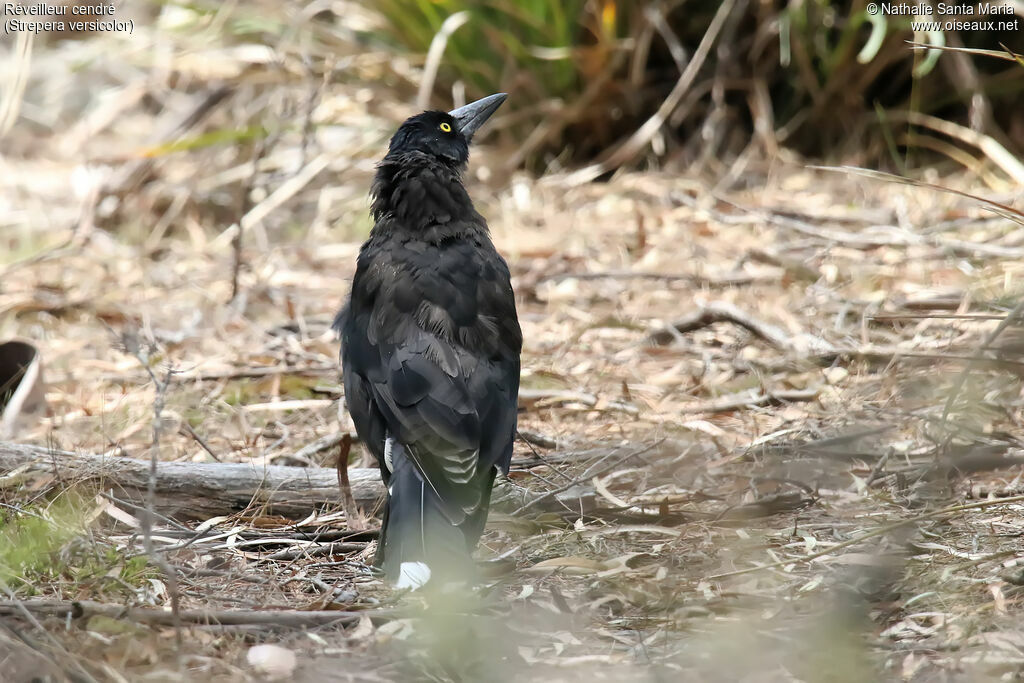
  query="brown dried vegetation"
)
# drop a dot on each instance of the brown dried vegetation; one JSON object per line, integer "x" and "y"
{"x": 769, "y": 433}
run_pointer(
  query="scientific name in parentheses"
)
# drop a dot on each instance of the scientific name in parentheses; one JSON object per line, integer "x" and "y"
{"x": 77, "y": 13}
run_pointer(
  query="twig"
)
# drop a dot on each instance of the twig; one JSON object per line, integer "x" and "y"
{"x": 721, "y": 311}
{"x": 881, "y": 531}
{"x": 320, "y": 445}
{"x": 120, "y": 502}
{"x": 736, "y": 280}
{"x": 245, "y": 191}
{"x": 284, "y": 192}
{"x": 284, "y": 406}
{"x": 187, "y": 428}
{"x": 131, "y": 344}
{"x": 938, "y": 316}
{"x": 318, "y": 550}
{"x": 549, "y": 397}
{"x": 876, "y": 471}
{"x": 134, "y": 174}
{"x": 746, "y": 400}
{"x": 793, "y": 267}
{"x": 353, "y": 515}
{"x": 885, "y": 354}
{"x": 643, "y": 136}
{"x": 434, "y": 54}
{"x": 869, "y": 240}
{"x": 531, "y": 438}
{"x": 20, "y": 607}
{"x": 656, "y": 16}
{"x": 1011, "y": 317}
{"x": 19, "y": 75}
{"x": 238, "y": 373}
{"x": 852, "y": 239}
{"x": 989, "y": 146}
{"x": 594, "y": 471}
{"x": 765, "y": 506}
{"x": 1003, "y": 210}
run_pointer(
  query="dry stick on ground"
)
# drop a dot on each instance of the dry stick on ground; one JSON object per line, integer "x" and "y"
{"x": 537, "y": 455}
{"x": 593, "y": 471}
{"x": 820, "y": 351}
{"x": 795, "y": 268}
{"x": 1003, "y": 210}
{"x": 353, "y": 515}
{"x": 85, "y": 608}
{"x": 746, "y": 400}
{"x": 533, "y": 438}
{"x": 877, "y": 470}
{"x": 721, "y": 311}
{"x": 880, "y": 531}
{"x": 938, "y": 316}
{"x": 187, "y": 428}
{"x": 530, "y": 398}
{"x": 1014, "y": 316}
{"x": 864, "y": 240}
{"x": 885, "y": 354}
{"x": 15, "y": 607}
{"x": 239, "y": 373}
{"x": 736, "y": 280}
{"x": 322, "y": 444}
{"x": 328, "y": 549}
{"x": 855, "y": 240}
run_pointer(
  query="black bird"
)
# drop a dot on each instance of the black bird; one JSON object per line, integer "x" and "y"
{"x": 430, "y": 347}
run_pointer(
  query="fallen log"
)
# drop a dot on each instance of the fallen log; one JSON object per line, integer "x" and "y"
{"x": 199, "y": 491}
{"x": 189, "y": 490}
{"x": 84, "y": 609}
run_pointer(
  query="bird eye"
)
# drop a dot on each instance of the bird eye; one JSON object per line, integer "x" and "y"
{"x": 446, "y": 127}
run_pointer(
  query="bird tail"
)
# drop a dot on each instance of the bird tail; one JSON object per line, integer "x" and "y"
{"x": 417, "y": 541}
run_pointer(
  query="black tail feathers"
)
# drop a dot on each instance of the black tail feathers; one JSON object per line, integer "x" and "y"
{"x": 418, "y": 543}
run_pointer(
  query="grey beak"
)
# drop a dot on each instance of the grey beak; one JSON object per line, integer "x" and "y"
{"x": 474, "y": 114}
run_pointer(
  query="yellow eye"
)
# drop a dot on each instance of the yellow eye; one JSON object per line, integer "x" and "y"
{"x": 446, "y": 127}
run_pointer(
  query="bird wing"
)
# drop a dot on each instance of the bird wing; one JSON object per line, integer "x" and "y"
{"x": 368, "y": 421}
{"x": 432, "y": 359}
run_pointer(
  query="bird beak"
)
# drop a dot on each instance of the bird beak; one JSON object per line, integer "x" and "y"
{"x": 474, "y": 114}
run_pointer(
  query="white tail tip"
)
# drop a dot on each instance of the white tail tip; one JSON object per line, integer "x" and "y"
{"x": 413, "y": 575}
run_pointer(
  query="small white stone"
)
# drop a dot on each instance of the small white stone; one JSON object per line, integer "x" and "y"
{"x": 273, "y": 660}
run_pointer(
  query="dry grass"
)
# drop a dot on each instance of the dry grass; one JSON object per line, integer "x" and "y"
{"x": 821, "y": 422}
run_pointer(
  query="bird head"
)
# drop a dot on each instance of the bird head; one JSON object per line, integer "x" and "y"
{"x": 445, "y": 135}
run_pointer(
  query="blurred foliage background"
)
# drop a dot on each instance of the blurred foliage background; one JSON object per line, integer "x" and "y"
{"x": 825, "y": 78}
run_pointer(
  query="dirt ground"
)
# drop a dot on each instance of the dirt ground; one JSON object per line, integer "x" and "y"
{"x": 782, "y": 446}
